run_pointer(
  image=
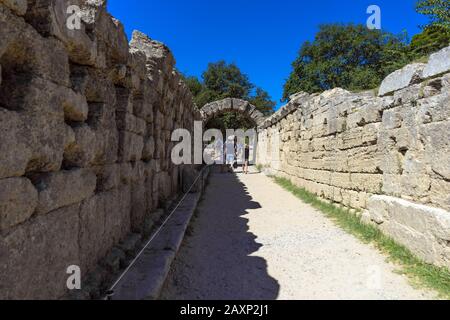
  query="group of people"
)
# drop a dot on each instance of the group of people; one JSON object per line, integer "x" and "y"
{"x": 234, "y": 151}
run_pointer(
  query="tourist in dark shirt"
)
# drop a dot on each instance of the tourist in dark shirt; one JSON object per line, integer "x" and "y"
{"x": 246, "y": 158}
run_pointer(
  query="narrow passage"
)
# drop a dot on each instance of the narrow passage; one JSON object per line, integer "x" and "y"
{"x": 251, "y": 239}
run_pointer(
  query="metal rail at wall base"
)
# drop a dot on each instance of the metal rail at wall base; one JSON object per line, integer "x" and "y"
{"x": 144, "y": 278}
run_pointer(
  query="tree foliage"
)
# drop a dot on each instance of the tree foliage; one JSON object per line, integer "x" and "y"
{"x": 222, "y": 80}
{"x": 432, "y": 39}
{"x": 435, "y": 35}
{"x": 437, "y": 10}
{"x": 347, "y": 56}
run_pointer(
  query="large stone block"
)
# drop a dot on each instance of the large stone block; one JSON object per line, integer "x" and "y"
{"x": 105, "y": 221}
{"x": 440, "y": 193}
{"x": 24, "y": 51}
{"x": 15, "y": 151}
{"x": 131, "y": 146}
{"x": 437, "y": 147}
{"x": 435, "y": 108}
{"x": 108, "y": 177}
{"x": 75, "y": 106}
{"x": 131, "y": 123}
{"x": 372, "y": 183}
{"x": 156, "y": 52}
{"x": 138, "y": 206}
{"x": 18, "y": 200}
{"x": 36, "y": 255}
{"x": 50, "y": 18}
{"x": 424, "y": 230}
{"x": 402, "y": 78}
{"x": 93, "y": 245}
{"x": 438, "y": 63}
{"x": 60, "y": 189}
{"x": 19, "y": 7}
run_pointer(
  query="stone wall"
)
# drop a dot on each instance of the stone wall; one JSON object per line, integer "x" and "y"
{"x": 85, "y": 127}
{"x": 389, "y": 153}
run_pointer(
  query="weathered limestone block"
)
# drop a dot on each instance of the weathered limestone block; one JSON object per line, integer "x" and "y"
{"x": 371, "y": 183}
{"x": 369, "y": 113}
{"x": 358, "y": 137}
{"x": 60, "y": 189}
{"x": 438, "y": 63}
{"x": 48, "y": 137}
{"x": 108, "y": 177}
{"x": 124, "y": 100}
{"x": 15, "y": 152}
{"x": 402, "y": 78}
{"x": 410, "y": 94}
{"x": 38, "y": 134}
{"x": 82, "y": 152}
{"x": 105, "y": 221}
{"x": 50, "y": 18}
{"x": 165, "y": 186}
{"x": 102, "y": 120}
{"x": 392, "y": 184}
{"x": 440, "y": 193}
{"x": 24, "y": 53}
{"x": 75, "y": 106}
{"x": 18, "y": 200}
{"x": 432, "y": 87}
{"x": 93, "y": 84}
{"x": 138, "y": 205}
{"x": 149, "y": 149}
{"x": 37, "y": 269}
{"x": 392, "y": 119}
{"x": 131, "y": 123}
{"x": 156, "y": 52}
{"x": 19, "y": 7}
{"x": 341, "y": 180}
{"x": 131, "y": 146}
{"x": 93, "y": 245}
{"x": 415, "y": 186}
{"x": 437, "y": 147}
{"x": 358, "y": 200}
{"x": 143, "y": 109}
{"x": 32, "y": 94}
{"x": 424, "y": 230}
{"x": 364, "y": 160}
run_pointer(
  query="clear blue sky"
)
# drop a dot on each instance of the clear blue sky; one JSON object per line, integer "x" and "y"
{"x": 261, "y": 36}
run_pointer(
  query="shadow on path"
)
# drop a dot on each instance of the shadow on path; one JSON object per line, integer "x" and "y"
{"x": 215, "y": 259}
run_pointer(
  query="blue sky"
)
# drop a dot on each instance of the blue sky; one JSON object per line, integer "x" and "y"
{"x": 261, "y": 36}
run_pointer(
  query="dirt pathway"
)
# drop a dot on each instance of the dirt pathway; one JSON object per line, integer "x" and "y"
{"x": 251, "y": 239}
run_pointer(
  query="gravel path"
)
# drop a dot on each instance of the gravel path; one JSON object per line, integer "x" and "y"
{"x": 251, "y": 239}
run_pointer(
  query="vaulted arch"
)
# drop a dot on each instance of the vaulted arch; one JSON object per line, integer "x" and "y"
{"x": 216, "y": 108}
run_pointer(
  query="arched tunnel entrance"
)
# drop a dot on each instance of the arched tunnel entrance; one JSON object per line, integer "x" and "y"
{"x": 217, "y": 108}
{"x": 237, "y": 120}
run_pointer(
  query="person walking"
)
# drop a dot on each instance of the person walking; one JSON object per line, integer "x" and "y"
{"x": 246, "y": 158}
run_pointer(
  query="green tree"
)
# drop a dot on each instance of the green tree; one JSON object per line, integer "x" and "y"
{"x": 437, "y": 10}
{"x": 227, "y": 80}
{"x": 347, "y": 56}
{"x": 432, "y": 39}
{"x": 222, "y": 80}
{"x": 435, "y": 35}
{"x": 261, "y": 100}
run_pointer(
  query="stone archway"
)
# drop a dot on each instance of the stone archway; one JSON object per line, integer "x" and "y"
{"x": 234, "y": 105}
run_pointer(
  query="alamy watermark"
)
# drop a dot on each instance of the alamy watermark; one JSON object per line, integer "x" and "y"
{"x": 74, "y": 279}
{"x": 211, "y": 147}
{"x": 73, "y": 21}
{"x": 374, "y": 20}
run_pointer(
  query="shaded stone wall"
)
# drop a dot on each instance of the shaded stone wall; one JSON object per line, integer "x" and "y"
{"x": 349, "y": 147}
{"x": 85, "y": 127}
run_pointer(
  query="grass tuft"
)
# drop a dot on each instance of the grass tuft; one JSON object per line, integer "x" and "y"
{"x": 419, "y": 272}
